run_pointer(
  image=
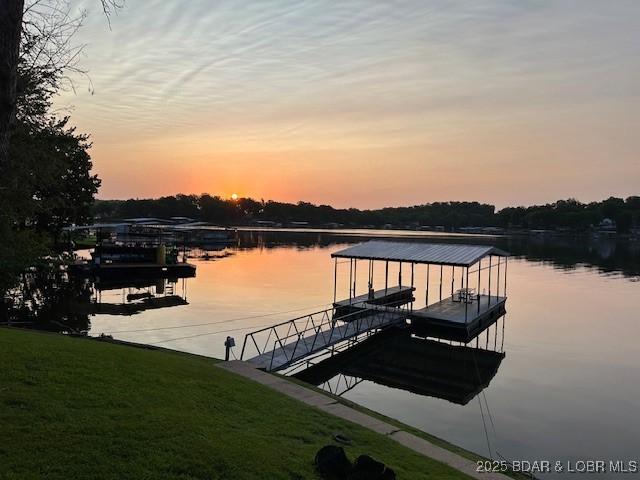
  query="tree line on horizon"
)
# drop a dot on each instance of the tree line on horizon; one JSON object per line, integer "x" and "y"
{"x": 563, "y": 214}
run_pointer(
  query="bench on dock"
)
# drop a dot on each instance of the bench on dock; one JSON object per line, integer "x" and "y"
{"x": 390, "y": 297}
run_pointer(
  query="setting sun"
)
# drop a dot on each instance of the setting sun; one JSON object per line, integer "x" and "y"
{"x": 234, "y": 196}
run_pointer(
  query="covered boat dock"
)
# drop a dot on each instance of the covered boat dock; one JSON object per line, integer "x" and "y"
{"x": 464, "y": 286}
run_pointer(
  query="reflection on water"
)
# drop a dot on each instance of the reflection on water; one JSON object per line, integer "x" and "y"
{"x": 134, "y": 296}
{"x": 607, "y": 254}
{"x": 399, "y": 359}
{"x": 568, "y": 387}
{"x": 61, "y": 302}
{"x": 46, "y": 300}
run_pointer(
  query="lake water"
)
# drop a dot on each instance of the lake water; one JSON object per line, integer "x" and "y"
{"x": 567, "y": 389}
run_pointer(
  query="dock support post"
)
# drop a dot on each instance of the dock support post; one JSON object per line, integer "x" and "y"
{"x": 350, "y": 278}
{"x": 466, "y": 299}
{"x": 498, "y": 282}
{"x": 335, "y": 279}
{"x": 441, "y": 282}
{"x": 479, "y": 269}
{"x": 373, "y": 265}
{"x": 412, "y": 279}
{"x": 400, "y": 275}
{"x": 490, "y": 260}
{"x": 453, "y": 279}
{"x": 505, "y": 276}
{"x": 355, "y": 275}
{"x": 426, "y": 300}
{"x": 386, "y": 276}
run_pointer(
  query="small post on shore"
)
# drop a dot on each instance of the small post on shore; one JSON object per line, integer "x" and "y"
{"x": 229, "y": 343}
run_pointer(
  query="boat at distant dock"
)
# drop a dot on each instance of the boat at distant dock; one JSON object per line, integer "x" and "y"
{"x": 134, "y": 251}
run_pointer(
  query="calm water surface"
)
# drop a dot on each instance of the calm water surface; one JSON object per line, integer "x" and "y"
{"x": 567, "y": 389}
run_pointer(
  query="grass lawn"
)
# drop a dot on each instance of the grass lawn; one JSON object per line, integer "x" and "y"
{"x": 417, "y": 432}
{"x": 75, "y": 408}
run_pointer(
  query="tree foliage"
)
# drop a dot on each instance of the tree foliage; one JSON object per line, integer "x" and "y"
{"x": 564, "y": 214}
{"x": 47, "y": 182}
{"x": 574, "y": 215}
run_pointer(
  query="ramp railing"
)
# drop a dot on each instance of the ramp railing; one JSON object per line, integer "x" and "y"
{"x": 340, "y": 384}
{"x": 302, "y": 336}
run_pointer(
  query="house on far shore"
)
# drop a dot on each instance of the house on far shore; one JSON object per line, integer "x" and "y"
{"x": 607, "y": 226}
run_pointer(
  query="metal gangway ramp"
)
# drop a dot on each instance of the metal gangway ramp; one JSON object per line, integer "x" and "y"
{"x": 282, "y": 345}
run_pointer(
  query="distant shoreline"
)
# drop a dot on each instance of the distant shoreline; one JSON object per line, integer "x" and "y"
{"x": 397, "y": 232}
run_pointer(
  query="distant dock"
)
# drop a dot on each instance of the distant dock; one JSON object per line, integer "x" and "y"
{"x": 135, "y": 270}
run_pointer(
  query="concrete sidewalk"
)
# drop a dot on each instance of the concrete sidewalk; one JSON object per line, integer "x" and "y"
{"x": 330, "y": 405}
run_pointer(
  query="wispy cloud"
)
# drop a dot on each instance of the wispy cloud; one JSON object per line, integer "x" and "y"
{"x": 271, "y": 76}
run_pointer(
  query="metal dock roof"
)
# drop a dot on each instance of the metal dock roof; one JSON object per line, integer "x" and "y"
{"x": 415, "y": 252}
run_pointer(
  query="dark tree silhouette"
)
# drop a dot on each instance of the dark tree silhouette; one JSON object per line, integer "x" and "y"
{"x": 12, "y": 13}
{"x": 10, "y": 28}
{"x": 570, "y": 214}
{"x": 45, "y": 175}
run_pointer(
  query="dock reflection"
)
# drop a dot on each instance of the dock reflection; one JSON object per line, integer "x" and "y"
{"x": 398, "y": 358}
{"x": 131, "y": 297}
{"x": 65, "y": 303}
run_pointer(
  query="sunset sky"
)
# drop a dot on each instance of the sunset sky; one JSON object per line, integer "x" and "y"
{"x": 364, "y": 104}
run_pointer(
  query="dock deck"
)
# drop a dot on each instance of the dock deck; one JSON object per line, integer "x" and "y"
{"x": 135, "y": 270}
{"x": 446, "y": 319}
